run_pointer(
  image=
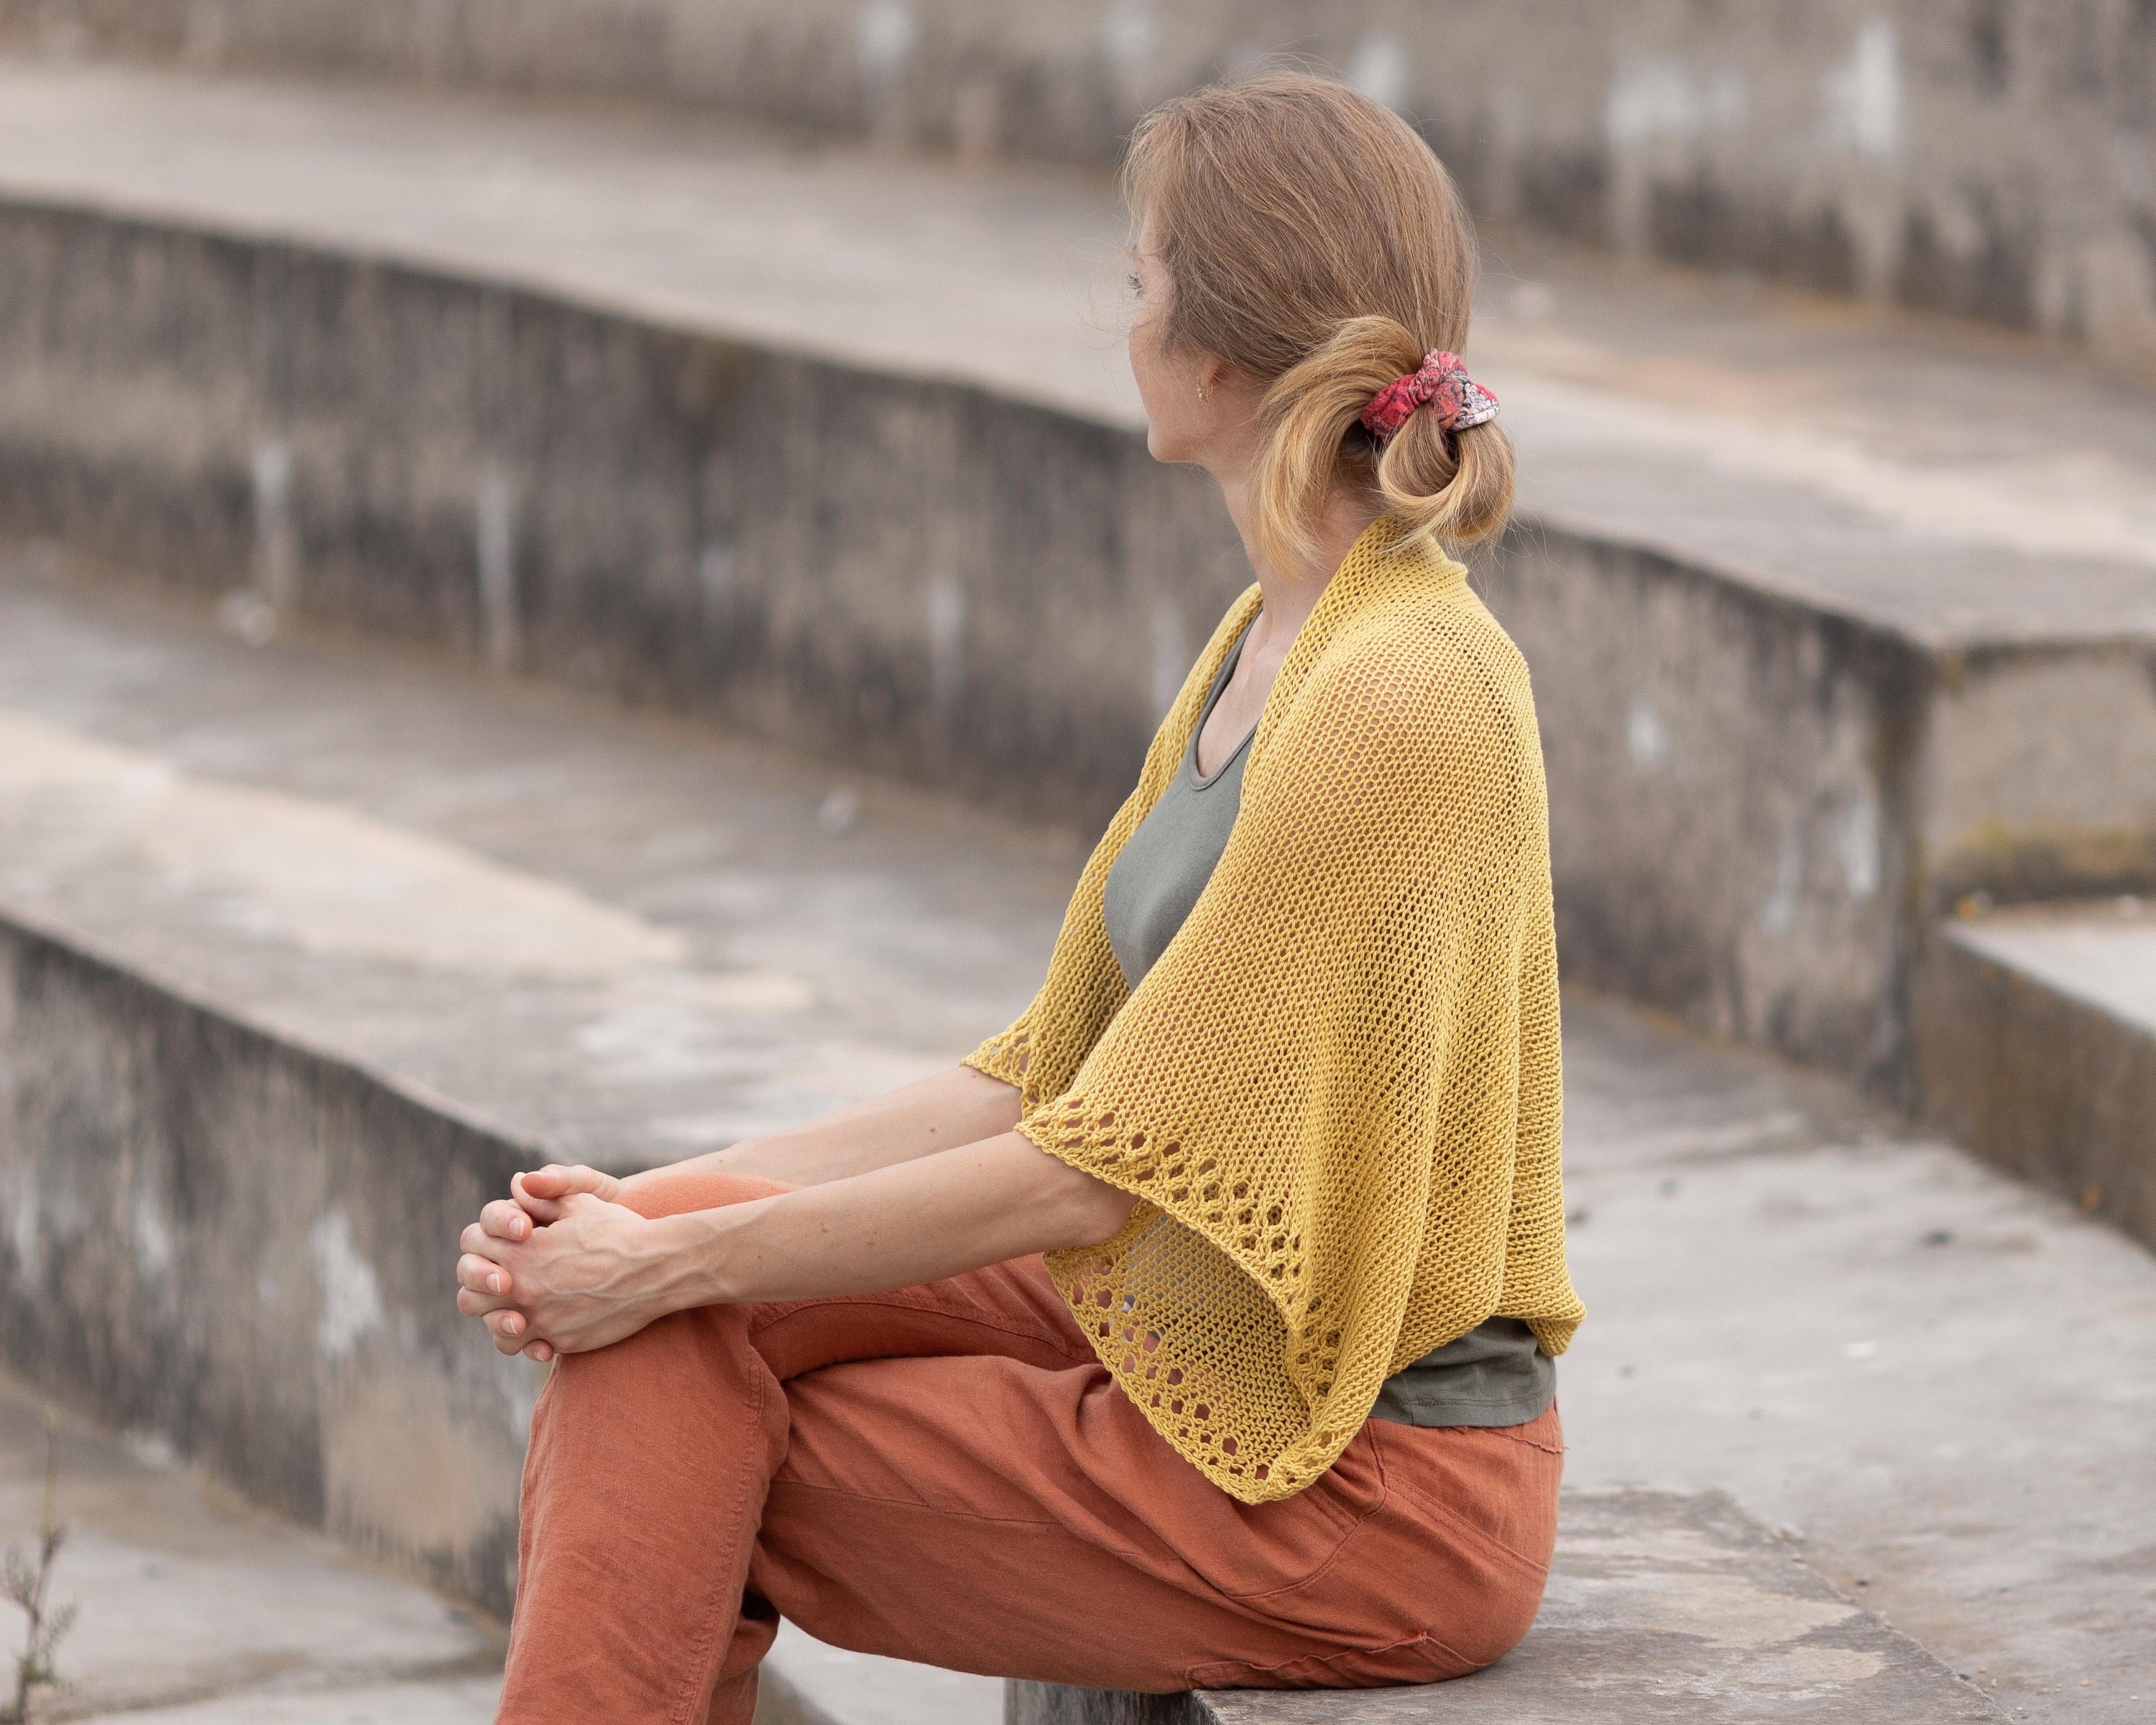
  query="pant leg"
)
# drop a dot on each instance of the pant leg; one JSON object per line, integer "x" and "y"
{"x": 671, "y": 1433}
{"x": 649, "y": 1461}
{"x": 947, "y": 1474}
{"x": 984, "y": 1515}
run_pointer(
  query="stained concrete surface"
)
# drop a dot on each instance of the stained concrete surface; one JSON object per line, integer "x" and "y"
{"x": 1939, "y": 1382}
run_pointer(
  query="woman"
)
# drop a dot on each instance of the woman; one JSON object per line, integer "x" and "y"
{"x": 1277, "y": 1408}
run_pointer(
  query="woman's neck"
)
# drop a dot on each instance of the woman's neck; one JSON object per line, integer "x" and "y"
{"x": 1289, "y": 596}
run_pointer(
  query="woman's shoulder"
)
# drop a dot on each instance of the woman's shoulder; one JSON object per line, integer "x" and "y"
{"x": 1429, "y": 659}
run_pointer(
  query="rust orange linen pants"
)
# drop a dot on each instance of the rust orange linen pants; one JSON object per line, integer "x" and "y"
{"x": 947, "y": 1474}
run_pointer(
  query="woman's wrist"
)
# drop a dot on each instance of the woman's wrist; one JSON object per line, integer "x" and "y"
{"x": 695, "y": 1262}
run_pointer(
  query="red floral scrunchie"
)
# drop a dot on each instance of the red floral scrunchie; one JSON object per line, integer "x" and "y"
{"x": 1442, "y": 382}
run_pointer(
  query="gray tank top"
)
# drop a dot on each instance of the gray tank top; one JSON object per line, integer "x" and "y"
{"x": 1493, "y": 1375}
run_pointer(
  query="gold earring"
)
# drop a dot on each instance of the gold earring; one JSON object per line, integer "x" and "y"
{"x": 1201, "y": 392}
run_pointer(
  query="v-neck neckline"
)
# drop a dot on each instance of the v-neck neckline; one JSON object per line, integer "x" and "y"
{"x": 1199, "y": 779}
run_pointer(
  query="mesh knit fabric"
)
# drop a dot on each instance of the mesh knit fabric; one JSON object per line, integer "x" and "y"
{"x": 1337, "y": 1092}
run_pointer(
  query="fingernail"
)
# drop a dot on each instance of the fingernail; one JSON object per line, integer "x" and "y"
{"x": 514, "y": 1324}
{"x": 494, "y": 1284}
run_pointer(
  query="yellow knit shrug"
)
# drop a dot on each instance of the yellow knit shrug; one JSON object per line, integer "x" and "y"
{"x": 1337, "y": 1092}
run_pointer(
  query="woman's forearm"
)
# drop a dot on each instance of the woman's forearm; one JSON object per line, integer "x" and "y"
{"x": 955, "y": 1106}
{"x": 911, "y": 1222}
{"x": 570, "y": 1268}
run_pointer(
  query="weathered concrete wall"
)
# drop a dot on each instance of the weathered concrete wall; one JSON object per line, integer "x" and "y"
{"x": 1995, "y": 157}
{"x": 2040, "y": 772}
{"x": 238, "y": 1246}
{"x": 917, "y": 577}
{"x": 1756, "y": 802}
{"x": 1758, "y": 805}
{"x": 1731, "y": 794}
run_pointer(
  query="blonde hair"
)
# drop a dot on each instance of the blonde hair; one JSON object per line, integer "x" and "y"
{"x": 1313, "y": 242}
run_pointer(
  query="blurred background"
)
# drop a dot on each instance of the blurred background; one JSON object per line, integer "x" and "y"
{"x": 577, "y": 577}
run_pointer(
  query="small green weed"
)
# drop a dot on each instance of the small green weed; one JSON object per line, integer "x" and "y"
{"x": 28, "y": 1583}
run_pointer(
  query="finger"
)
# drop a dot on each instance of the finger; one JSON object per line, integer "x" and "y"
{"x": 537, "y": 1202}
{"x": 478, "y": 1243}
{"x": 506, "y": 1219}
{"x": 540, "y": 1351}
{"x": 508, "y": 1325}
{"x": 558, "y": 1180}
{"x": 479, "y": 1305}
{"x": 482, "y": 1276}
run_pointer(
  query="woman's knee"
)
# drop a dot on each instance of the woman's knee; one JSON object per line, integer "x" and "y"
{"x": 676, "y": 1191}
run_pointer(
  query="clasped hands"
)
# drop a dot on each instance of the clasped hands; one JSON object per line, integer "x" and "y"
{"x": 561, "y": 1266}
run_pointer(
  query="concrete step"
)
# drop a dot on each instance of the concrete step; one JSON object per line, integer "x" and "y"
{"x": 1937, "y": 161}
{"x": 834, "y": 445}
{"x": 367, "y": 901}
{"x": 2038, "y": 1048}
{"x": 722, "y": 946}
{"x": 304, "y": 947}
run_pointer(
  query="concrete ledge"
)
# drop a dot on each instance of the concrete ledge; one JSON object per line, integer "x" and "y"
{"x": 236, "y": 1243}
{"x": 233, "y": 1240}
{"x": 1661, "y": 1606}
{"x": 2036, "y": 1038}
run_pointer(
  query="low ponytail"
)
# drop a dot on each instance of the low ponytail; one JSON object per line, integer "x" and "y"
{"x": 1456, "y": 487}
